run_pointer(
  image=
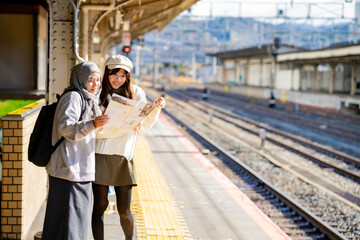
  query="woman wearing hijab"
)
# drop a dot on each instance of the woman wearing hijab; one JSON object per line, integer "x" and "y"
{"x": 72, "y": 166}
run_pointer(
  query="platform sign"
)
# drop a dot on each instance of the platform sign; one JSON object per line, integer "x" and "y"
{"x": 126, "y": 39}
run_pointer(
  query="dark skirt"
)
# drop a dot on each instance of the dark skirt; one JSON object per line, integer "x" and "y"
{"x": 68, "y": 210}
{"x": 114, "y": 170}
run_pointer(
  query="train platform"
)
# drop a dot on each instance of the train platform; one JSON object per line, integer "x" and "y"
{"x": 182, "y": 195}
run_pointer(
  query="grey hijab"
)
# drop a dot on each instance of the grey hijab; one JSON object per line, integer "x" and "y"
{"x": 79, "y": 76}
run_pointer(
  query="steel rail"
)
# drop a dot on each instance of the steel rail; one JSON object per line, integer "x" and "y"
{"x": 348, "y": 198}
{"x": 345, "y": 157}
{"x": 309, "y": 216}
{"x": 330, "y": 128}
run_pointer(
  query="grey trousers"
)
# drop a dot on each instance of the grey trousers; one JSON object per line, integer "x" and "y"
{"x": 68, "y": 210}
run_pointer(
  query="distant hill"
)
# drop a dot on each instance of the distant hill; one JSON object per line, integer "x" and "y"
{"x": 186, "y": 36}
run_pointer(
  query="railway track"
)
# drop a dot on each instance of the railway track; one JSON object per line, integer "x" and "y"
{"x": 296, "y": 223}
{"x": 351, "y": 134}
{"x": 291, "y": 109}
{"x": 350, "y": 170}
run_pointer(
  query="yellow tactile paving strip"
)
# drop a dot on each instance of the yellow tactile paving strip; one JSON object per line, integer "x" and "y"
{"x": 27, "y": 107}
{"x": 156, "y": 213}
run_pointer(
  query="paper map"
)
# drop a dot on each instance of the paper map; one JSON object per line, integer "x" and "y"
{"x": 125, "y": 114}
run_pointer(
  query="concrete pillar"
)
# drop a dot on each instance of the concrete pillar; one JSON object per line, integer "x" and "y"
{"x": 246, "y": 77}
{"x": 332, "y": 80}
{"x": 237, "y": 71}
{"x": 224, "y": 73}
{"x": 300, "y": 80}
{"x": 292, "y": 76}
{"x": 315, "y": 84}
{"x": 214, "y": 69}
{"x": 353, "y": 78}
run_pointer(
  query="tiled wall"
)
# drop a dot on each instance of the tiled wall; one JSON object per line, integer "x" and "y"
{"x": 23, "y": 184}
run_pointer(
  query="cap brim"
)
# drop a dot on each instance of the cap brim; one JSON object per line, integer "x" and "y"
{"x": 113, "y": 66}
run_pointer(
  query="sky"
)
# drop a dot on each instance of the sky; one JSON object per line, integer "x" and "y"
{"x": 270, "y": 8}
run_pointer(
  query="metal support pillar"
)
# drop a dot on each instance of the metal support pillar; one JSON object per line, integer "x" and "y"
{"x": 353, "y": 78}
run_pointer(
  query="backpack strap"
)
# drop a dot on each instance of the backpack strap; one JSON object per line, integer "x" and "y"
{"x": 57, "y": 144}
{"x": 83, "y": 104}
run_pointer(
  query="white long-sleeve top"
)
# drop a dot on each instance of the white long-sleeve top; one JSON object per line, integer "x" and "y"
{"x": 74, "y": 159}
{"x": 124, "y": 145}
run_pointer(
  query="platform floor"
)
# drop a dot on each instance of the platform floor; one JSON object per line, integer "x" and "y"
{"x": 182, "y": 195}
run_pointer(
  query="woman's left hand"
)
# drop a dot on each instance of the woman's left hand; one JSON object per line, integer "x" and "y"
{"x": 160, "y": 102}
{"x": 137, "y": 128}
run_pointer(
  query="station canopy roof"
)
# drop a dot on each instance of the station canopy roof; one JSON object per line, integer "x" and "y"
{"x": 109, "y": 18}
{"x": 330, "y": 55}
{"x": 252, "y": 52}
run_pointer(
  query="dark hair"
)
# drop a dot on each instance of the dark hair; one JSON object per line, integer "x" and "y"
{"x": 124, "y": 90}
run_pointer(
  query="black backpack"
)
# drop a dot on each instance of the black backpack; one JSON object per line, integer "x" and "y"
{"x": 40, "y": 147}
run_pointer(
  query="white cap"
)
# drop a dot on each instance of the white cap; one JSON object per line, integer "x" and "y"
{"x": 119, "y": 61}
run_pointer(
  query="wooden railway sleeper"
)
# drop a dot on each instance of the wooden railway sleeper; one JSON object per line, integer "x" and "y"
{"x": 303, "y": 224}
{"x": 310, "y": 230}
{"x": 284, "y": 209}
{"x": 319, "y": 236}
{"x": 297, "y": 218}
{"x": 269, "y": 196}
{"x": 276, "y": 202}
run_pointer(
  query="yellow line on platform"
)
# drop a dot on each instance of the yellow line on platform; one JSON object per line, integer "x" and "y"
{"x": 156, "y": 213}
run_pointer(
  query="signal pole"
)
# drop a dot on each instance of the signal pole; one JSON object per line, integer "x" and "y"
{"x": 155, "y": 62}
{"x": 274, "y": 53}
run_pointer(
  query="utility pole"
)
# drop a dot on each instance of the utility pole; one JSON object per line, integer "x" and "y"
{"x": 155, "y": 63}
{"x": 140, "y": 44}
{"x": 171, "y": 62}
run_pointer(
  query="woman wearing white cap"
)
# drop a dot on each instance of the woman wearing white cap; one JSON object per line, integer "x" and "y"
{"x": 114, "y": 156}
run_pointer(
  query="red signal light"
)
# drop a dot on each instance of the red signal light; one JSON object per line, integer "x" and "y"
{"x": 126, "y": 49}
